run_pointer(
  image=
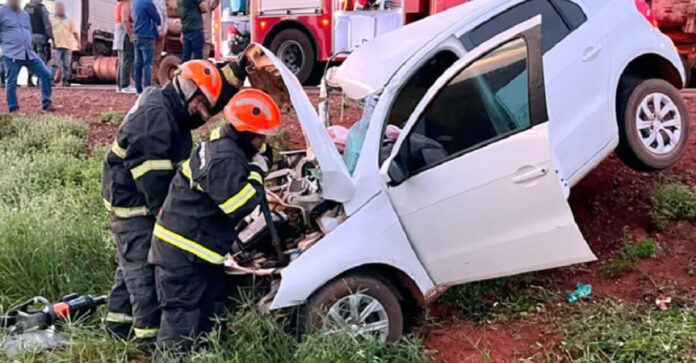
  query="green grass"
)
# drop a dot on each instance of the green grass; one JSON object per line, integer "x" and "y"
{"x": 499, "y": 298}
{"x": 112, "y": 117}
{"x": 629, "y": 255}
{"x": 53, "y": 231}
{"x": 55, "y": 240}
{"x": 673, "y": 202}
{"x": 606, "y": 331}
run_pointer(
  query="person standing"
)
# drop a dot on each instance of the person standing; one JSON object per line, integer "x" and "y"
{"x": 41, "y": 31}
{"x": 123, "y": 45}
{"x": 66, "y": 40}
{"x": 15, "y": 32}
{"x": 211, "y": 193}
{"x": 191, "y": 14}
{"x": 145, "y": 22}
{"x": 161, "y": 37}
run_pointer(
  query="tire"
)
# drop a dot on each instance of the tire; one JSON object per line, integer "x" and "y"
{"x": 297, "y": 52}
{"x": 166, "y": 68}
{"x": 367, "y": 288}
{"x": 641, "y": 149}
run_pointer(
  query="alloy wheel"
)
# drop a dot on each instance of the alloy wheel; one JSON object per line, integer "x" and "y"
{"x": 659, "y": 124}
{"x": 361, "y": 314}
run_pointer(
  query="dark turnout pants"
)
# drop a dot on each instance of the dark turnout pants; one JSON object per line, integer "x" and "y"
{"x": 191, "y": 294}
{"x": 133, "y": 306}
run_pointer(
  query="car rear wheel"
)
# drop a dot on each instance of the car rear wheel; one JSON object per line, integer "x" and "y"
{"x": 653, "y": 125}
{"x": 362, "y": 304}
{"x": 295, "y": 50}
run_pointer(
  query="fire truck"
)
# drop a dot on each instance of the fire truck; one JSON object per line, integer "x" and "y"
{"x": 305, "y": 34}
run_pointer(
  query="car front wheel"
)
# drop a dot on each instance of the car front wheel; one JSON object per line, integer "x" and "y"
{"x": 653, "y": 125}
{"x": 362, "y": 304}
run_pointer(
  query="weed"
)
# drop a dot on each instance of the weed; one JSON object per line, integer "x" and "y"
{"x": 615, "y": 267}
{"x": 482, "y": 299}
{"x": 641, "y": 250}
{"x": 673, "y": 201}
{"x": 606, "y": 331}
{"x": 630, "y": 254}
{"x": 112, "y": 117}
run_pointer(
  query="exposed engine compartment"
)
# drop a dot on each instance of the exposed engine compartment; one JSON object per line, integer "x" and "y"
{"x": 300, "y": 215}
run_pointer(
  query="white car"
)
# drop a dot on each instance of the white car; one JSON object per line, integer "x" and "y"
{"x": 500, "y": 107}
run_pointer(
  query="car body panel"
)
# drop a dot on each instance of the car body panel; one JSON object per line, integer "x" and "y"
{"x": 470, "y": 219}
{"x": 373, "y": 236}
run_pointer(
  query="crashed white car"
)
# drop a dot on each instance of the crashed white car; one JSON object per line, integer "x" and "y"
{"x": 501, "y": 107}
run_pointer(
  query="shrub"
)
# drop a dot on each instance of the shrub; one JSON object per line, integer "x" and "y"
{"x": 673, "y": 201}
{"x": 112, "y": 117}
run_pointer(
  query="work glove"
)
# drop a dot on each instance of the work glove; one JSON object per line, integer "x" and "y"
{"x": 265, "y": 76}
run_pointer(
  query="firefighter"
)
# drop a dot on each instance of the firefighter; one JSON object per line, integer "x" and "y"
{"x": 219, "y": 185}
{"x": 153, "y": 139}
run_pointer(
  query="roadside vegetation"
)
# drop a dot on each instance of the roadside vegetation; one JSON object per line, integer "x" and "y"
{"x": 55, "y": 240}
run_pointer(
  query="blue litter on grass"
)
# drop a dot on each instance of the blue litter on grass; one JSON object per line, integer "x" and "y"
{"x": 581, "y": 291}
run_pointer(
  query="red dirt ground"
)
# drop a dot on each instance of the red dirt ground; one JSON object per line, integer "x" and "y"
{"x": 607, "y": 201}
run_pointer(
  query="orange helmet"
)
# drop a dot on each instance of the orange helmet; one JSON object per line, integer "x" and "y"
{"x": 254, "y": 111}
{"x": 205, "y": 75}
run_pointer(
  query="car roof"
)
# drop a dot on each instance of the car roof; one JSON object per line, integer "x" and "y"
{"x": 370, "y": 67}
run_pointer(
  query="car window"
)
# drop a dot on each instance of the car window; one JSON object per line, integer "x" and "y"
{"x": 486, "y": 101}
{"x": 553, "y": 28}
{"x": 571, "y": 11}
{"x": 411, "y": 94}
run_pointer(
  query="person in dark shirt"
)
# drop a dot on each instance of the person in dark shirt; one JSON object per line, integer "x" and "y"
{"x": 191, "y": 12}
{"x": 41, "y": 31}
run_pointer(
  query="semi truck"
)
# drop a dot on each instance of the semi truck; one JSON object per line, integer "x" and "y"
{"x": 305, "y": 34}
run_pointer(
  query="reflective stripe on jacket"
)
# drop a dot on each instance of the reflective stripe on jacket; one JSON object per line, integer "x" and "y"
{"x": 208, "y": 197}
{"x": 141, "y": 162}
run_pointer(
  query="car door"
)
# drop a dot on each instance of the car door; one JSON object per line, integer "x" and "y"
{"x": 580, "y": 105}
{"x": 471, "y": 176}
{"x": 576, "y": 69}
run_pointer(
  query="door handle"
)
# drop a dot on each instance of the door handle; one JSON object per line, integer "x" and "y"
{"x": 591, "y": 53}
{"x": 530, "y": 175}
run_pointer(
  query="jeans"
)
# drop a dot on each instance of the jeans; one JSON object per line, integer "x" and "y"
{"x": 125, "y": 63}
{"x": 193, "y": 45}
{"x": 40, "y": 45}
{"x": 62, "y": 57}
{"x": 35, "y": 66}
{"x": 144, "y": 54}
{"x": 2, "y": 72}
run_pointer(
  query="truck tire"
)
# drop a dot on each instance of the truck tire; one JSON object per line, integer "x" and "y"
{"x": 650, "y": 140}
{"x": 295, "y": 50}
{"x": 167, "y": 66}
{"x": 368, "y": 294}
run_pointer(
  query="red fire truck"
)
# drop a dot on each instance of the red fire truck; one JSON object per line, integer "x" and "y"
{"x": 305, "y": 34}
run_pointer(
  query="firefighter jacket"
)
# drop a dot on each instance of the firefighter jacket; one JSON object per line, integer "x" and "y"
{"x": 209, "y": 196}
{"x": 153, "y": 139}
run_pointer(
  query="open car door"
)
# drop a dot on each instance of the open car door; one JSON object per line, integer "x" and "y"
{"x": 471, "y": 175}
